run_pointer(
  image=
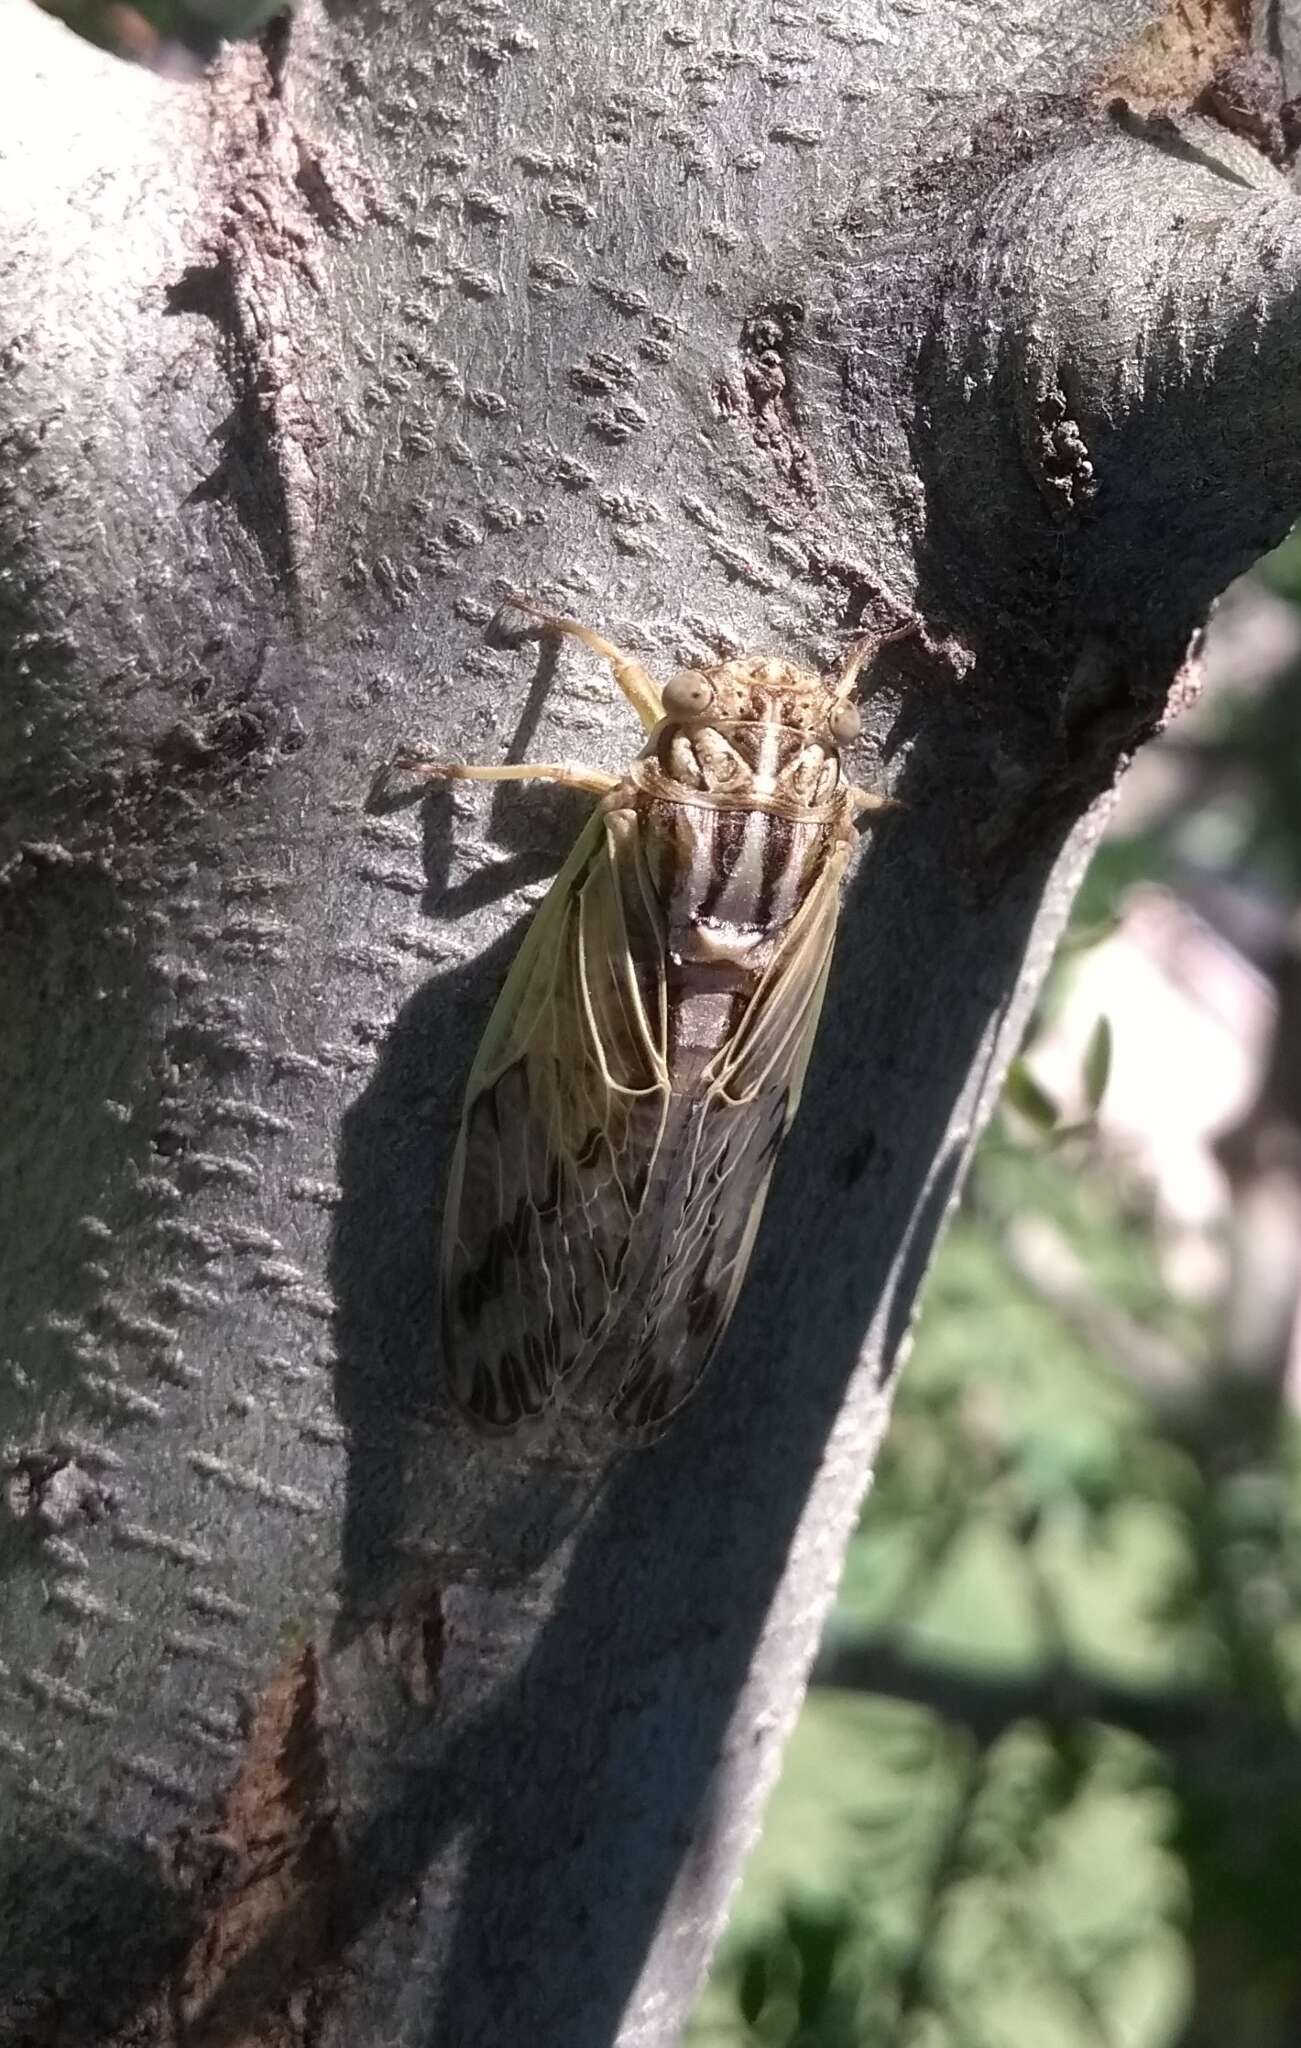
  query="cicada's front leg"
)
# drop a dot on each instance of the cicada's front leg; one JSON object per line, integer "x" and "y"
{"x": 564, "y": 774}
{"x": 638, "y": 686}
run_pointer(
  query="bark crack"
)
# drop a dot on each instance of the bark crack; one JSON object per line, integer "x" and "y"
{"x": 264, "y": 1877}
{"x": 766, "y": 359}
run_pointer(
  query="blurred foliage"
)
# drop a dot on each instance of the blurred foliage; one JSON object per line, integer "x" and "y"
{"x": 1063, "y": 1742}
{"x": 1029, "y": 1099}
{"x": 165, "y": 34}
{"x": 1280, "y": 570}
{"x": 1046, "y": 1790}
{"x": 1255, "y": 742}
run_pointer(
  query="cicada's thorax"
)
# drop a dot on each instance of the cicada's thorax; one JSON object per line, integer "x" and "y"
{"x": 738, "y": 819}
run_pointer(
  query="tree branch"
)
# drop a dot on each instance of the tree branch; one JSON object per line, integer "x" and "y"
{"x": 988, "y": 1705}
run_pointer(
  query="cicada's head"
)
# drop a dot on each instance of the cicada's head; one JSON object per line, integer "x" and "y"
{"x": 758, "y": 730}
{"x": 762, "y": 689}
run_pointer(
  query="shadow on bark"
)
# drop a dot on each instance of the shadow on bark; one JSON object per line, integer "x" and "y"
{"x": 62, "y": 1902}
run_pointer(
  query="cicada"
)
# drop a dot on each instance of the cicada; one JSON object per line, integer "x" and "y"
{"x": 646, "y": 1055}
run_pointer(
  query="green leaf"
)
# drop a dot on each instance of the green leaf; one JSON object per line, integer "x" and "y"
{"x": 819, "y": 1940}
{"x": 1028, "y": 1099}
{"x": 235, "y": 17}
{"x": 1097, "y": 1064}
{"x": 752, "y": 1992}
{"x": 1083, "y": 936}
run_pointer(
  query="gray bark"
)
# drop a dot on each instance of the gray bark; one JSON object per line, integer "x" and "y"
{"x": 755, "y": 327}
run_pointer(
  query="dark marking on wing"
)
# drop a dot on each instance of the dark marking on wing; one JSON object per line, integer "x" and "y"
{"x": 722, "y": 1143}
{"x": 702, "y": 1302}
{"x": 558, "y": 1140}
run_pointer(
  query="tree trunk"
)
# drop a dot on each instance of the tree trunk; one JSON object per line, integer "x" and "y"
{"x": 745, "y": 327}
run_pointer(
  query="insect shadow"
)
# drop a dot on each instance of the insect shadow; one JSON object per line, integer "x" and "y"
{"x": 539, "y": 822}
{"x": 424, "y": 1492}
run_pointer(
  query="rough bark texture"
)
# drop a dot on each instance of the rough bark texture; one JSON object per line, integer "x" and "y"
{"x": 754, "y": 326}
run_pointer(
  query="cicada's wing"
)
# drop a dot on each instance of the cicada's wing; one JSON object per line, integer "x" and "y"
{"x": 724, "y": 1145}
{"x": 564, "y": 1118}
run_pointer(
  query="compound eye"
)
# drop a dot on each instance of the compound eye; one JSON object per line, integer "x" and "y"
{"x": 688, "y": 695}
{"x": 845, "y": 724}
